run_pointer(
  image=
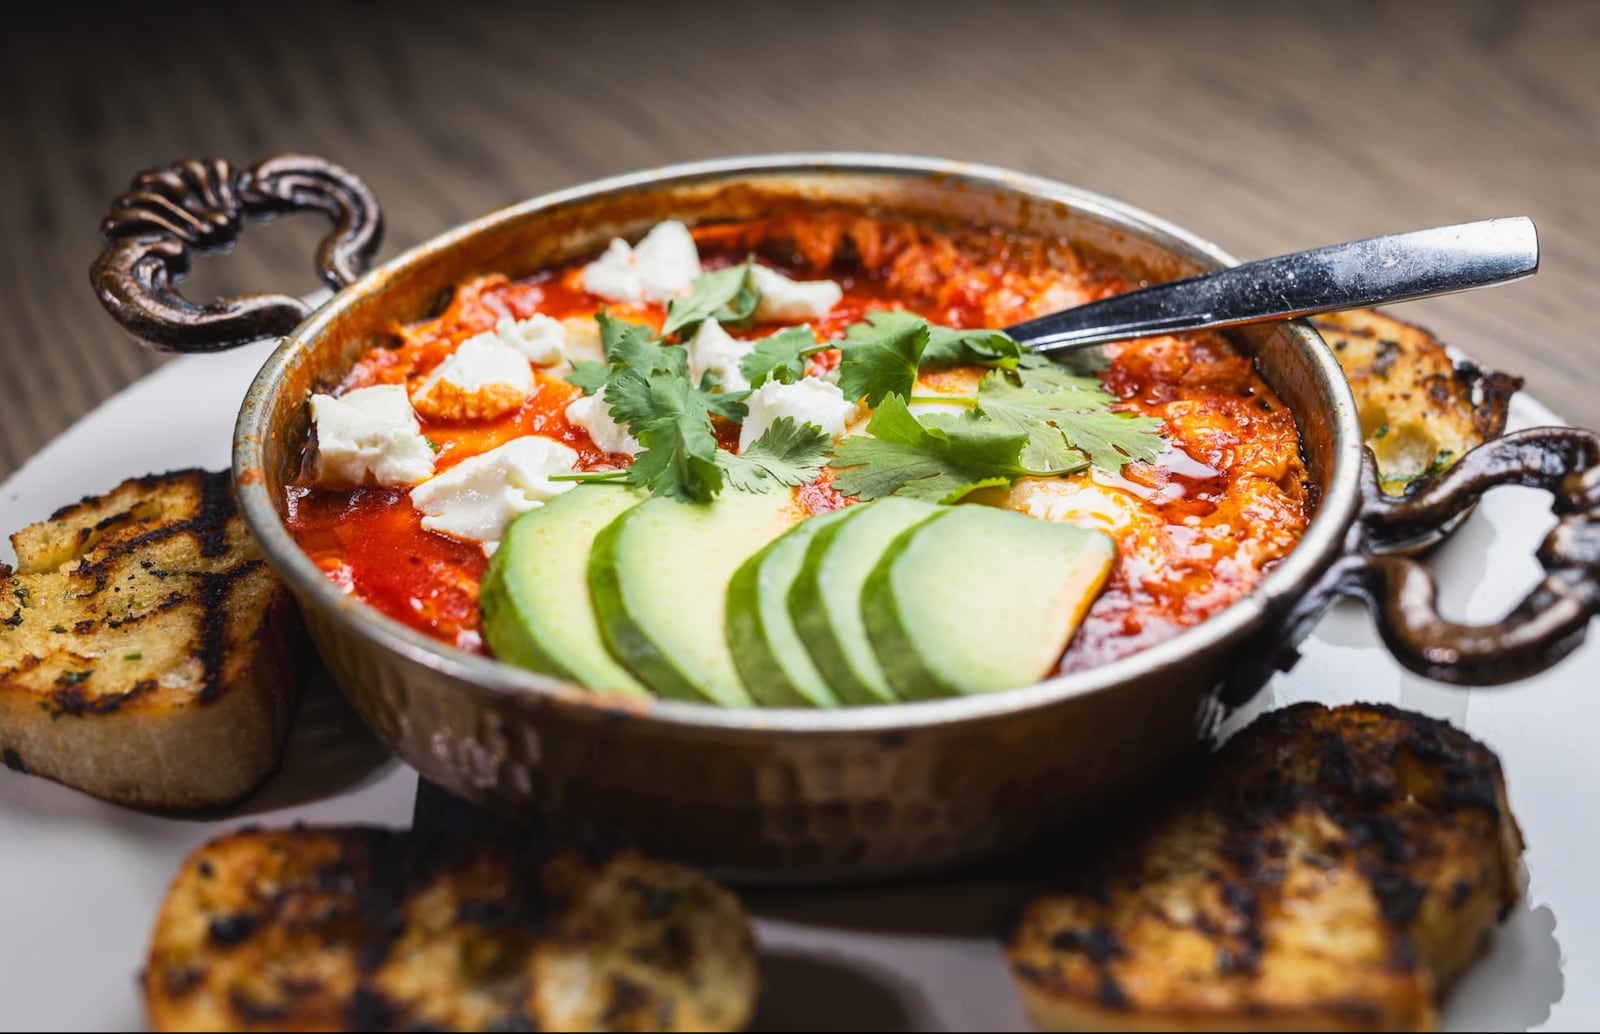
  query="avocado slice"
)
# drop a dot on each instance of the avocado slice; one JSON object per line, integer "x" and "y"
{"x": 979, "y": 599}
{"x": 659, "y": 577}
{"x": 825, "y": 602}
{"x": 766, "y": 647}
{"x": 535, "y": 602}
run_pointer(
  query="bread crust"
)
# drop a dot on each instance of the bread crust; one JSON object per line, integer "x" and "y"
{"x": 1420, "y": 410}
{"x": 365, "y": 929}
{"x": 1337, "y": 870}
{"x": 148, "y": 654}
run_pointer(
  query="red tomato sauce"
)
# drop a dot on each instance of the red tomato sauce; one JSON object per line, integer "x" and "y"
{"x": 1212, "y": 516}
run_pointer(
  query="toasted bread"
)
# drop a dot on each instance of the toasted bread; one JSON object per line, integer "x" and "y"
{"x": 362, "y": 929}
{"x": 1336, "y": 870}
{"x": 1420, "y": 410}
{"x": 148, "y": 655}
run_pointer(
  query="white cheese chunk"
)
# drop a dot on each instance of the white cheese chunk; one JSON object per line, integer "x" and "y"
{"x": 667, "y": 261}
{"x": 662, "y": 265}
{"x": 793, "y": 301}
{"x": 612, "y": 276}
{"x": 484, "y": 378}
{"x": 477, "y": 498}
{"x": 369, "y": 436}
{"x": 593, "y": 415}
{"x": 810, "y": 400}
{"x": 714, "y": 350}
{"x": 543, "y": 339}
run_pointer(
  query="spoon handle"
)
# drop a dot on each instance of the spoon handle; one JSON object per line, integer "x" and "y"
{"x": 1394, "y": 268}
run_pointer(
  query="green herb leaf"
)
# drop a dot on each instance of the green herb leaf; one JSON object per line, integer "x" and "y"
{"x": 728, "y": 294}
{"x": 727, "y": 404}
{"x": 948, "y": 346}
{"x": 1065, "y": 423}
{"x": 1082, "y": 362}
{"x": 1027, "y": 411}
{"x": 1051, "y": 377}
{"x": 1114, "y": 439}
{"x": 589, "y": 375}
{"x": 647, "y": 388}
{"x": 787, "y": 453}
{"x": 633, "y": 358}
{"x": 953, "y": 346}
{"x": 881, "y": 356}
{"x": 942, "y": 460}
{"x": 780, "y": 357}
{"x": 622, "y": 341}
{"x": 674, "y": 426}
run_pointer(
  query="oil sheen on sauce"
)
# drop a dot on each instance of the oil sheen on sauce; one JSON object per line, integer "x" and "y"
{"x": 1195, "y": 530}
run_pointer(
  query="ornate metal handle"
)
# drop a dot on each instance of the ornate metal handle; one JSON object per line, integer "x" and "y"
{"x": 1550, "y": 621}
{"x": 199, "y": 206}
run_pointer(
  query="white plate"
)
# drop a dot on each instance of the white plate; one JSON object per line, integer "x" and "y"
{"x": 80, "y": 880}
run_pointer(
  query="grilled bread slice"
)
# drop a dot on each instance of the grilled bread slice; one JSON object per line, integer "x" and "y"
{"x": 1336, "y": 871}
{"x": 1420, "y": 410}
{"x": 362, "y": 929}
{"x": 148, "y": 655}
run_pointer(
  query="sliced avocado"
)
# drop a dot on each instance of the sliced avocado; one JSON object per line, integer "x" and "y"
{"x": 659, "y": 577}
{"x": 825, "y": 601}
{"x": 980, "y": 599}
{"x": 535, "y": 602}
{"x": 766, "y": 648}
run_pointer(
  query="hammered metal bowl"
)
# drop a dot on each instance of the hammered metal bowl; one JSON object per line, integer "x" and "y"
{"x": 777, "y": 795}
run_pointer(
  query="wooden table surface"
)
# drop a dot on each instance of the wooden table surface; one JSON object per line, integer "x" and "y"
{"x": 1264, "y": 126}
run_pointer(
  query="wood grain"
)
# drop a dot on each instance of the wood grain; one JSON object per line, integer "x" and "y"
{"x": 1264, "y": 126}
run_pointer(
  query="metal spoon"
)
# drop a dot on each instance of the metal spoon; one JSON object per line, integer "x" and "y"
{"x": 1395, "y": 268}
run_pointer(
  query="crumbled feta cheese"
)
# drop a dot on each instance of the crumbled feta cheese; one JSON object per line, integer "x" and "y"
{"x": 543, "y": 339}
{"x": 666, "y": 260}
{"x": 484, "y": 378}
{"x": 612, "y": 276}
{"x": 477, "y": 498}
{"x": 369, "y": 436}
{"x": 714, "y": 350}
{"x": 810, "y": 400}
{"x": 661, "y": 266}
{"x": 793, "y": 301}
{"x": 593, "y": 415}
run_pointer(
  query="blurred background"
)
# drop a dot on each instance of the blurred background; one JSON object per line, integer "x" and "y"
{"x": 1264, "y": 126}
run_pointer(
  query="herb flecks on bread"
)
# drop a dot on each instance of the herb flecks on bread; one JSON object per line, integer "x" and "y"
{"x": 1421, "y": 411}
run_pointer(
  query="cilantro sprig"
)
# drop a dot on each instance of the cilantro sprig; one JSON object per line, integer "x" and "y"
{"x": 728, "y": 294}
{"x": 880, "y": 356}
{"x": 941, "y": 459}
{"x": 1029, "y": 417}
{"x": 780, "y": 357}
{"x": 1068, "y": 422}
{"x": 648, "y": 388}
{"x": 954, "y": 346}
{"x": 787, "y": 453}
